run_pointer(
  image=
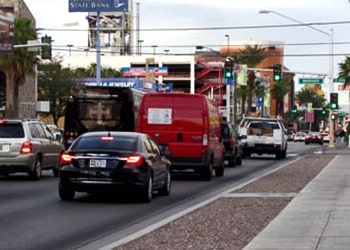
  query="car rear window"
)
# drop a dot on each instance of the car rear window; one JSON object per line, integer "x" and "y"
{"x": 99, "y": 144}
{"x": 11, "y": 131}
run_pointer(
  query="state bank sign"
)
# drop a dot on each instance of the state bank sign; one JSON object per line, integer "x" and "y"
{"x": 98, "y": 5}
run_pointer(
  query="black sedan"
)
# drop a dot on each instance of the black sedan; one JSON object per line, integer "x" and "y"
{"x": 114, "y": 162}
{"x": 314, "y": 137}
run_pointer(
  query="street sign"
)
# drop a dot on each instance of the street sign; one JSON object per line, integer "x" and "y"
{"x": 98, "y": 6}
{"x": 310, "y": 80}
{"x": 339, "y": 79}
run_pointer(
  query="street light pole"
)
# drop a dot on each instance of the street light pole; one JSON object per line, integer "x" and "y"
{"x": 331, "y": 62}
{"x": 228, "y": 89}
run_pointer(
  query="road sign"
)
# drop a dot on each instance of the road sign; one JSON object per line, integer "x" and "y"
{"x": 98, "y": 6}
{"x": 310, "y": 80}
{"x": 339, "y": 79}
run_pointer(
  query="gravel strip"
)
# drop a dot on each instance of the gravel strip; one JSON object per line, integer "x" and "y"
{"x": 232, "y": 222}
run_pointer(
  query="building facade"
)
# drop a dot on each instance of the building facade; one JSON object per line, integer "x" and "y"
{"x": 23, "y": 100}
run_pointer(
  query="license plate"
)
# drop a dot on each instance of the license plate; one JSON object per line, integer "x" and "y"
{"x": 4, "y": 148}
{"x": 98, "y": 163}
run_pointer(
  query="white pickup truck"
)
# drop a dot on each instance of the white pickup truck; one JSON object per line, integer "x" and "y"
{"x": 263, "y": 136}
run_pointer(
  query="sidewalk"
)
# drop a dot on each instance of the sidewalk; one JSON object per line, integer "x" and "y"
{"x": 318, "y": 217}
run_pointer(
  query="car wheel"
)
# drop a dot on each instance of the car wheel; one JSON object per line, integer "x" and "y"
{"x": 246, "y": 155}
{"x": 35, "y": 174}
{"x": 167, "y": 185}
{"x": 55, "y": 172}
{"x": 147, "y": 191}
{"x": 238, "y": 160}
{"x": 207, "y": 172}
{"x": 65, "y": 193}
{"x": 278, "y": 155}
{"x": 219, "y": 171}
{"x": 232, "y": 162}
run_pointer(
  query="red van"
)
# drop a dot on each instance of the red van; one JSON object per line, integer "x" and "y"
{"x": 188, "y": 126}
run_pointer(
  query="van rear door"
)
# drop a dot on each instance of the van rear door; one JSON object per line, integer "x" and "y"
{"x": 175, "y": 121}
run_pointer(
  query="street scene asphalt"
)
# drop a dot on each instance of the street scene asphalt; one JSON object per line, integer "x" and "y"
{"x": 318, "y": 217}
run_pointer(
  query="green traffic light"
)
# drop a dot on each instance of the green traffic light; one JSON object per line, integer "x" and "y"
{"x": 333, "y": 106}
{"x": 228, "y": 74}
{"x": 276, "y": 78}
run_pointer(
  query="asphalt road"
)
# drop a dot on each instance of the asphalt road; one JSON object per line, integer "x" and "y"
{"x": 33, "y": 217}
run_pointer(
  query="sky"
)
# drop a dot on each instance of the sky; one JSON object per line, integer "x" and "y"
{"x": 307, "y": 48}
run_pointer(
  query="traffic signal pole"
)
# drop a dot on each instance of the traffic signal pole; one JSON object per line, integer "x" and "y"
{"x": 331, "y": 130}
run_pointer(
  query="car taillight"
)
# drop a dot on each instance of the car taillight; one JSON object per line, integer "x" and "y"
{"x": 205, "y": 140}
{"x": 232, "y": 142}
{"x": 26, "y": 148}
{"x": 134, "y": 160}
{"x": 66, "y": 159}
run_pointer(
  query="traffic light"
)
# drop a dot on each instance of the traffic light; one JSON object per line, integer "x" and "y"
{"x": 277, "y": 72}
{"x": 323, "y": 112}
{"x": 46, "y": 47}
{"x": 333, "y": 103}
{"x": 228, "y": 70}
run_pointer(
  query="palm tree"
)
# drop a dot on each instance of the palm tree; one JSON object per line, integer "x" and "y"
{"x": 251, "y": 56}
{"x": 344, "y": 70}
{"x": 18, "y": 65}
{"x": 307, "y": 95}
{"x": 278, "y": 92}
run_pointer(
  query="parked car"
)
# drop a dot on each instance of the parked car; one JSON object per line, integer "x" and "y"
{"x": 299, "y": 136}
{"x": 290, "y": 134}
{"x": 232, "y": 143}
{"x": 114, "y": 161}
{"x": 28, "y": 146}
{"x": 325, "y": 135}
{"x": 314, "y": 137}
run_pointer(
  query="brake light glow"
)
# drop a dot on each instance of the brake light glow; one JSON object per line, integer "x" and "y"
{"x": 134, "y": 160}
{"x": 107, "y": 138}
{"x": 66, "y": 159}
{"x": 26, "y": 148}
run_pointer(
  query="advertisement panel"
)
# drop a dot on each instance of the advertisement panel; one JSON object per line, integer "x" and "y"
{"x": 98, "y": 5}
{"x": 6, "y": 30}
{"x": 141, "y": 71}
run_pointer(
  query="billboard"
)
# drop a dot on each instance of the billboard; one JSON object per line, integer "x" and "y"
{"x": 141, "y": 71}
{"x": 6, "y": 30}
{"x": 98, "y": 5}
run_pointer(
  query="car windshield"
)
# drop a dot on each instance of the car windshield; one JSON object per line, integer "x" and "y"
{"x": 101, "y": 143}
{"x": 11, "y": 131}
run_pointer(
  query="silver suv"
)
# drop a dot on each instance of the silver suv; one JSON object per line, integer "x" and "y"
{"x": 28, "y": 146}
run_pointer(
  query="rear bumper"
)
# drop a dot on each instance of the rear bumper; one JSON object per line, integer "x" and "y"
{"x": 260, "y": 148}
{"x": 83, "y": 180}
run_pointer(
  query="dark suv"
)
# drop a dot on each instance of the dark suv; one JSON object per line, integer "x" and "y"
{"x": 28, "y": 146}
{"x": 232, "y": 144}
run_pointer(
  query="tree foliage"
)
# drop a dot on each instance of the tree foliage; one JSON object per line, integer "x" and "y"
{"x": 305, "y": 96}
{"x": 54, "y": 83}
{"x": 344, "y": 70}
{"x": 19, "y": 64}
{"x": 251, "y": 56}
{"x": 279, "y": 91}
